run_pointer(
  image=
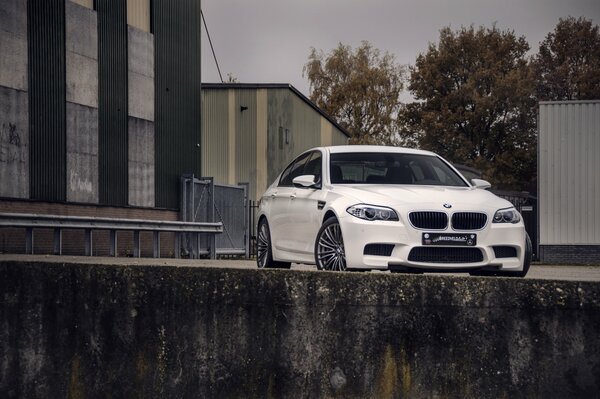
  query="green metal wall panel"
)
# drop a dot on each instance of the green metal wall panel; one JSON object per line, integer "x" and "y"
{"x": 215, "y": 126}
{"x": 338, "y": 138}
{"x": 279, "y": 104}
{"x": 176, "y": 25}
{"x": 112, "y": 102}
{"x": 245, "y": 138}
{"x": 306, "y": 126}
{"x": 47, "y": 120}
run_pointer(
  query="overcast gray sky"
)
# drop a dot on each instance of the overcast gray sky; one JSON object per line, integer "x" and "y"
{"x": 268, "y": 41}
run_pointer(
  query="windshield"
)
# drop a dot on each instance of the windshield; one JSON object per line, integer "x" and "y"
{"x": 392, "y": 168}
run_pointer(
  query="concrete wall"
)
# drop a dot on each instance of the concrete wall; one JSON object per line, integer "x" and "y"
{"x": 85, "y": 331}
{"x": 81, "y": 41}
{"x": 14, "y": 101}
{"x": 140, "y": 53}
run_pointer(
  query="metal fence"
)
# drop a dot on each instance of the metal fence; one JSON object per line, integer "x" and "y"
{"x": 204, "y": 201}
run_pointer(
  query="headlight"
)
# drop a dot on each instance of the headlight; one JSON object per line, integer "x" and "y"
{"x": 372, "y": 212}
{"x": 508, "y": 215}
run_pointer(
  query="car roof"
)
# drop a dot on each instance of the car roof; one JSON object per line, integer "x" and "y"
{"x": 375, "y": 148}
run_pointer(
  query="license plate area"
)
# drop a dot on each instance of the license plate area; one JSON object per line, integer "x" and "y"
{"x": 459, "y": 240}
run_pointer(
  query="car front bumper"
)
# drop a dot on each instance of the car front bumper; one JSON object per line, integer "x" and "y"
{"x": 358, "y": 233}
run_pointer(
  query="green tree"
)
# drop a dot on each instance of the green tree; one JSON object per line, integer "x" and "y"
{"x": 359, "y": 88}
{"x": 567, "y": 66}
{"x": 475, "y": 104}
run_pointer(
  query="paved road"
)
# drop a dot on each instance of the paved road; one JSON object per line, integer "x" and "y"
{"x": 574, "y": 273}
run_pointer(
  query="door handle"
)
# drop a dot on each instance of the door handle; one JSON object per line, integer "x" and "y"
{"x": 273, "y": 195}
{"x": 293, "y": 196}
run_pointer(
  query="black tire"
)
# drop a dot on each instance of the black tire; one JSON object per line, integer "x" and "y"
{"x": 329, "y": 247}
{"x": 264, "y": 254}
{"x": 526, "y": 260}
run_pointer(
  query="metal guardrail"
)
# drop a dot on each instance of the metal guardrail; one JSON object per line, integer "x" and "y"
{"x": 88, "y": 224}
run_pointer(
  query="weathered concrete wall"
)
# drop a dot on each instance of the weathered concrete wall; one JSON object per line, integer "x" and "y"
{"x": 82, "y": 153}
{"x": 14, "y": 102}
{"x": 81, "y": 41}
{"x": 140, "y": 64}
{"x": 141, "y": 162}
{"x": 87, "y": 331}
{"x": 14, "y": 143}
{"x": 13, "y": 44}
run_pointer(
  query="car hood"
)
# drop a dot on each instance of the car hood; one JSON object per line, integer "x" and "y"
{"x": 424, "y": 197}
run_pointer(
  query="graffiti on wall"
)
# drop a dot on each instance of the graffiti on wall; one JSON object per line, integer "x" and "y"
{"x": 78, "y": 183}
{"x": 12, "y": 147}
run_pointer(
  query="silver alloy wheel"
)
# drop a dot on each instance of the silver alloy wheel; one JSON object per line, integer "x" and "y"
{"x": 262, "y": 245}
{"x": 330, "y": 248}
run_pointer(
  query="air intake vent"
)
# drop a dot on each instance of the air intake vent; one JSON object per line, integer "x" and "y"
{"x": 505, "y": 252}
{"x": 445, "y": 255}
{"x": 379, "y": 249}
{"x": 429, "y": 220}
{"x": 468, "y": 221}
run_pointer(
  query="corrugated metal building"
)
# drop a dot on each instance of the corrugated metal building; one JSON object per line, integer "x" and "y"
{"x": 99, "y": 107}
{"x": 252, "y": 131}
{"x": 569, "y": 182}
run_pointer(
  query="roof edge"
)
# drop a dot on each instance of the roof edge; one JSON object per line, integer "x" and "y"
{"x": 250, "y": 86}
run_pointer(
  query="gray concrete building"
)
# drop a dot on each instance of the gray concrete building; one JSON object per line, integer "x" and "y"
{"x": 569, "y": 182}
{"x": 99, "y": 108}
{"x": 101, "y": 113}
{"x": 250, "y": 132}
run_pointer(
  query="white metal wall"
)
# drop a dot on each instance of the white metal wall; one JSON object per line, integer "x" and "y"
{"x": 569, "y": 173}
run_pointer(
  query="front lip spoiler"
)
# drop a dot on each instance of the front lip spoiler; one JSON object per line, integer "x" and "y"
{"x": 417, "y": 269}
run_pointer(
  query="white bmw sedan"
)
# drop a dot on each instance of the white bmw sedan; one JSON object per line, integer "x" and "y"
{"x": 387, "y": 208}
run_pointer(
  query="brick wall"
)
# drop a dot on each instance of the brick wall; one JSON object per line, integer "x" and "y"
{"x": 570, "y": 254}
{"x": 13, "y": 240}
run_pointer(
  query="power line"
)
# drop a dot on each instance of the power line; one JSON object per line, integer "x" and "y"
{"x": 211, "y": 46}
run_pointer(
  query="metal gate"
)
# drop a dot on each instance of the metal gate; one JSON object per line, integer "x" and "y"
{"x": 204, "y": 201}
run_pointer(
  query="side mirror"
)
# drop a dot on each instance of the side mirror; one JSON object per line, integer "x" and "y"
{"x": 305, "y": 181}
{"x": 482, "y": 184}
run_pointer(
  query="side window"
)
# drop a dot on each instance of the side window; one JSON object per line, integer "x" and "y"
{"x": 313, "y": 167}
{"x": 294, "y": 170}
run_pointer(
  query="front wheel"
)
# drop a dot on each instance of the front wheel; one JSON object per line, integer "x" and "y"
{"x": 526, "y": 260}
{"x": 522, "y": 273}
{"x": 329, "y": 247}
{"x": 264, "y": 253}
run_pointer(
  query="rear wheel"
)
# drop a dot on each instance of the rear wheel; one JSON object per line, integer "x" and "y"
{"x": 329, "y": 247}
{"x": 264, "y": 253}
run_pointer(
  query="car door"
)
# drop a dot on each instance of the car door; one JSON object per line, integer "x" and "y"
{"x": 304, "y": 211}
{"x": 279, "y": 219}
